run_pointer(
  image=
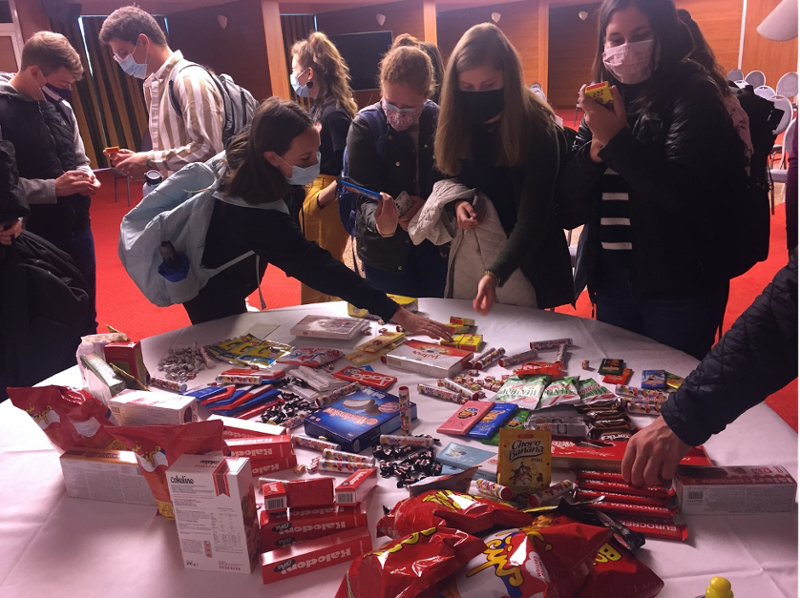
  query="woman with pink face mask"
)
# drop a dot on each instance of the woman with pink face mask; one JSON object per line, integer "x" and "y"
{"x": 390, "y": 150}
{"x": 659, "y": 180}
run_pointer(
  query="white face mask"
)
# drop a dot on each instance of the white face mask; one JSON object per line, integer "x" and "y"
{"x": 302, "y": 176}
{"x": 131, "y": 67}
{"x": 630, "y": 63}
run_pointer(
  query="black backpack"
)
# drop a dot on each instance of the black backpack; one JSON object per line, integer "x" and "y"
{"x": 239, "y": 103}
{"x": 44, "y": 310}
{"x": 752, "y": 216}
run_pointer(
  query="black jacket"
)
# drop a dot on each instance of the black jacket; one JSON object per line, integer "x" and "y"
{"x": 537, "y": 244}
{"x": 276, "y": 239}
{"x": 42, "y": 134}
{"x": 690, "y": 209}
{"x": 397, "y": 172}
{"x": 755, "y": 358}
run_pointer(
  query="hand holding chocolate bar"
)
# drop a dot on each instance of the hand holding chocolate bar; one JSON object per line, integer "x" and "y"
{"x": 653, "y": 454}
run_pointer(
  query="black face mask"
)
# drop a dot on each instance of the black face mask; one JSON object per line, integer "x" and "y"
{"x": 64, "y": 94}
{"x": 480, "y": 106}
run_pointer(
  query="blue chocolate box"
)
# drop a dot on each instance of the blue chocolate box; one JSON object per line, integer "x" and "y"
{"x": 358, "y": 420}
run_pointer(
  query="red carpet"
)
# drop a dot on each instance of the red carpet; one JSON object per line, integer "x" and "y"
{"x": 121, "y": 304}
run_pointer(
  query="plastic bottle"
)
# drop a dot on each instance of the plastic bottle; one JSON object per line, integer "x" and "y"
{"x": 152, "y": 179}
{"x": 719, "y": 587}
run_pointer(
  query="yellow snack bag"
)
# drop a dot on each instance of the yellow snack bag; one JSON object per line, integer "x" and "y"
{"x": 524, "y": 459}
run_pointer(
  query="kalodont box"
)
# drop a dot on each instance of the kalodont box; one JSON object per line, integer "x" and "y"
{"x": 357, "y": 420}
{"x": 735, "y": 490}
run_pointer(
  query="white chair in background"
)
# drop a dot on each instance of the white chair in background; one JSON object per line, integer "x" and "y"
{"x": 787, "y": 85}
{"x": 765, "y": 91}
{"x": 756, "y": 78}
{"x": 735, "y": 75}
{"x": 786, "y": 106}
{"x": 781, "y": 174}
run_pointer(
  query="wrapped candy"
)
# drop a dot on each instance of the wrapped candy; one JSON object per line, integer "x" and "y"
{"x": 407, "y": 567}
{"x": 472, "y": 514}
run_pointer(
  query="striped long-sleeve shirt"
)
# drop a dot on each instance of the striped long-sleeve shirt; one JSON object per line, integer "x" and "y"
{"x": 194, "y": 135}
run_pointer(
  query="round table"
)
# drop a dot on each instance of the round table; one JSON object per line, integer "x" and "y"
{"x": 55, "y": 545}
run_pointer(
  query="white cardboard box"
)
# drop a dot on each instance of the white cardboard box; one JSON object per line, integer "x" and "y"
{"x": 215, "y": 512}
{"x": 735, "y": 490}
{"x": 144, "y": 408}
{"x": 107, "y": 475}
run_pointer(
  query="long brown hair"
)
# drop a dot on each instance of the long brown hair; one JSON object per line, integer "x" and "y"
{"x": 276, "y": 123}
{"x": 703, "y": 54}
{"x": 672, "y": 45}
{"x": 523, "y": 112}
{"x": 332, "y": 73}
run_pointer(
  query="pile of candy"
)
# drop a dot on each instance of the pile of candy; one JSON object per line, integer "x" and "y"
{"x": 181, "y": 365}
{"x": 473, "y": 382}
{"x": 407, "y": 463}
{"x": 290, "y": 410}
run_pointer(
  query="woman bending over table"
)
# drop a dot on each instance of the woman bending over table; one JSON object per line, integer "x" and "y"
{"x": 263, "y": 169}
{"x": 660, "y": 182}
{"x": 495, "y": 136}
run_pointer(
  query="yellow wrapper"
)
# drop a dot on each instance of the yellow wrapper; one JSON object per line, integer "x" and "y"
{"x": 524, "y": 460}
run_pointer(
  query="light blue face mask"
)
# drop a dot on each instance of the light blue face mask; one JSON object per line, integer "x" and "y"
{"x": 303, "y": 176}
{"x": 300, "y": 90}
{"x": 131, "y": 67}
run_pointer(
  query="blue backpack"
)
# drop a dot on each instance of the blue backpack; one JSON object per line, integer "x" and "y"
{"x": 348, "y": 200}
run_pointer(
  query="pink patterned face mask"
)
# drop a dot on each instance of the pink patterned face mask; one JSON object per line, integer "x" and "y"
{"x": 400, "y": 118}
{"x": 630, "y": 63}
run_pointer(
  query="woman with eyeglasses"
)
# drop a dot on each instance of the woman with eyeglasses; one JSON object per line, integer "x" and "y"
{"x": 390, "y": 151}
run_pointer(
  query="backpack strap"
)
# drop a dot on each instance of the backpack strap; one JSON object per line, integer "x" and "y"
{"x": 173, "y": 99}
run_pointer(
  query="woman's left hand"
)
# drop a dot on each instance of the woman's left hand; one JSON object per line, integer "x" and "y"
{"x": 484, "y": 300}
{"x": 602, "y": 122}
{"x": 416, "y": 206}
{"x": 416, "y": 324}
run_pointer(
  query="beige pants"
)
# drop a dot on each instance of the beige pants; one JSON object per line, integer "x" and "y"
{"x": 323, "y": 226}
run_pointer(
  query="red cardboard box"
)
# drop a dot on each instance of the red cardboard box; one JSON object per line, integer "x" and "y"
{"x": 343, "y": 547}
{"x": 264, "y": 447}
{"x": 240, "y": 428}
{"x": 354, "y": 489}
{"x": 278, "y": 531}
{"x": 311, "y": 492}
{"x": 127, "y": 357}
{"x": 275, "y": 497}
{"x": 267, "y": 466}
{"x": 607, "y": 456}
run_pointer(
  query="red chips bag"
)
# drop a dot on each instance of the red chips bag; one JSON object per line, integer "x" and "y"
{"x": 404, "y": 568}
{"x": 509, "y": 566}
{"x": 159, "y": 446}
{"x": 619, "y": 574}
{"x": 435, "y": 508}
{"x": 568, "y": 549}
{"x": 71, "y": 418}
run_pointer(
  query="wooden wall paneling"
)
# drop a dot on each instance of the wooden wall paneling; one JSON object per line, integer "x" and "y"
{"x": 774, "y": 58}
{"x": 276, "y": 51}
{"x": 31, "y": 17}
{"x": 543, "y": 44}
{"x": 429, "y": 20}
{"x": 572, "y": 47}
{"x": 8, "y": 60}
{"x": 401, "y": 17}
{"x": 238, "y": 50}
{"x": 519, "y": 21}
{"x": 721, "y": 24}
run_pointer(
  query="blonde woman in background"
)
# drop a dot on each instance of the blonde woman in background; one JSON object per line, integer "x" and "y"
{"x": 320, "y": 73}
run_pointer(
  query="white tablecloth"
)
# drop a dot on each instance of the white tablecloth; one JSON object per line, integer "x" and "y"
{"x": 53, "y": 545}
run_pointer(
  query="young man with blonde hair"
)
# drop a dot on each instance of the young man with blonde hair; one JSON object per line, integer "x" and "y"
{"x": 53, "y": 168}
{"x": 180, "y": 137}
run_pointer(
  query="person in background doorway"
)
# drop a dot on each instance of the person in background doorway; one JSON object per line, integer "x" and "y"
{"x": 319, "y": 72}
{"x": 497, "y": 137}
{"x": 390, "y": 150}
{"x": 53, "y": 168}
{"x": 193, "y": 134}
